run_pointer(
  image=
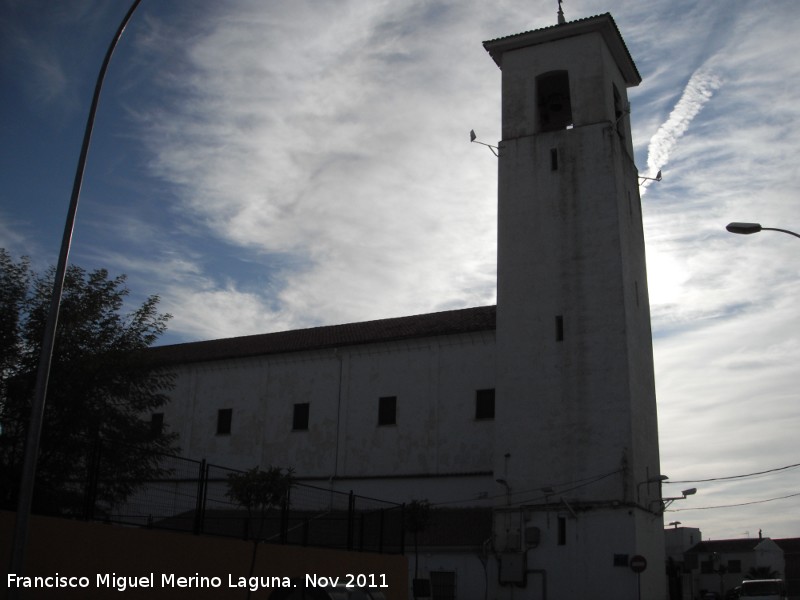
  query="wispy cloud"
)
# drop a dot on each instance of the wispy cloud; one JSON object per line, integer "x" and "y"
{"x": 323, "y": 152}
{"x": 698, "y": 91}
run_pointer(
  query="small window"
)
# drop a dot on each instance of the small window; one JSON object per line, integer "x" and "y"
{"x": 300, "y": 416}
{"x": 619, "y": 111}
{"x": 156, "y": 424}
{"x": 620, "y": 560}
{"x": 484, "y": 404}
{"x": 559, "y": 328}
{"x": 443, "y": 585}
{"x": 554, "y": 159}
{"x": 387, "y": 410}
{"x": 562, "y": 531}
{"x": 224, "y": 419}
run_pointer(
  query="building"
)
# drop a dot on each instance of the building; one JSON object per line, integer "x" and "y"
{"x": 678, "y": 540}
{"x": 721, "y": 565}
{"x": 541, "y": 410}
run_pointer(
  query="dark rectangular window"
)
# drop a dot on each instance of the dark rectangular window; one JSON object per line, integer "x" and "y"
{"x": 443, "y": 585}
{"x": 554, "y": 159}
{"x": 559, "y": 328}
{"x": 224, "y": 419}
{"x": 562, "y": 531}
{"x": 300, "y": 416}
{"x": 484, "y": 404}
{"x": 156, "y": 424}
{"x": 387, "y": 410}
{"x": 620, "y": 560}
{"x": 553, "y": 101}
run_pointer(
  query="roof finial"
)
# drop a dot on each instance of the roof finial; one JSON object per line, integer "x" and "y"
{"x": 561, "y": 19}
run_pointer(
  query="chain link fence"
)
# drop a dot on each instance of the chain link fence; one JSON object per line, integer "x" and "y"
{"x": 192, "y": 496}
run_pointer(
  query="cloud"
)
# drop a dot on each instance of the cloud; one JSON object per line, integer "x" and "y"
{"x": 701, "y": 86}
{"x": 325, "y": 152}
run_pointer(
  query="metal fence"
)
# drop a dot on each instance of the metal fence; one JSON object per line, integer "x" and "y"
{"x": 191, "y": 496}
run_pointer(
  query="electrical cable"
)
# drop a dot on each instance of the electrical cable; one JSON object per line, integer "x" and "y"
{"x": 733, "y": 505}
{"x": 736, "y": 476}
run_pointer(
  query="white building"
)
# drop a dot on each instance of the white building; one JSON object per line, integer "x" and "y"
{"x": 542, "y": 408}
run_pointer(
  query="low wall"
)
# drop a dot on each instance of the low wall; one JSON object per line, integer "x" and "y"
{"x": 107, "y": 555}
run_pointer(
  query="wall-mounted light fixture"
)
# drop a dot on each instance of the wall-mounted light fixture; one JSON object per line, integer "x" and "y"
{"x": 474, "y": 138}
{"x": 656, "y": 178}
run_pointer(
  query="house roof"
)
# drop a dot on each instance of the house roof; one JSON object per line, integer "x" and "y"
{"x": 739, "y": 545}
{"x": 451, "y": 322}
{"x": 603, "y": 24}
{"x": 789, "y": 545}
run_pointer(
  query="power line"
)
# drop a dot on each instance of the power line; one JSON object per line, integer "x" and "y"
{"x": 736, "y": 476}
{"x": 733, "y": 505}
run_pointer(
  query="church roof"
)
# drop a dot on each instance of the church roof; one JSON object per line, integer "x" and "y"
{"x": 603, "y": 24}
{"x": 451, "y": 322}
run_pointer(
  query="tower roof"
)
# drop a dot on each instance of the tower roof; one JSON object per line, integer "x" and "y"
{"x": 603, "y": 24}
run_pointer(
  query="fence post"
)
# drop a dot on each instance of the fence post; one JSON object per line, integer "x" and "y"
{"x": 403, "y": 528}
{"x": 285, "y": 517}
{"x": 90, "y": 492}
{"x": 351, "y": 510}
{"x": 380, "y": 532}
{"x": 200, "y": 504}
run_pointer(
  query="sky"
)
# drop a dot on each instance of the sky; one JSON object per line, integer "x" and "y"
{"x": 263, "y": 166}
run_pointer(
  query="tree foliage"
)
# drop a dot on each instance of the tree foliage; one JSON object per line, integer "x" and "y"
{"x": 101, "y": 394}
{"x": 260, "y": 490}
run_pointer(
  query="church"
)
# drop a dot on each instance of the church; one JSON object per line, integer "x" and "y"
{"x": 540, "y": 410}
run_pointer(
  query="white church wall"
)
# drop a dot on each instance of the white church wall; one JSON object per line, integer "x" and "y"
{"x": 436, "y": 433}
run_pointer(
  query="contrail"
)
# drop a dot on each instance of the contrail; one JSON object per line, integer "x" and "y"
{"x": 698, "y": 91}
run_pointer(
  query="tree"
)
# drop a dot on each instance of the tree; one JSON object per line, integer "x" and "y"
{"x": 417, "y": 519}
{"x": 96, "y": 431}
{"x": 258, "y": 491}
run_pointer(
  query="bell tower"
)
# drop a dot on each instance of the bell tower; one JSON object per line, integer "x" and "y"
{"x": 576, "y": 429}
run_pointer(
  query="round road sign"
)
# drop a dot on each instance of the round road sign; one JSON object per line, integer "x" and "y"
{"x": 638, "y": 563}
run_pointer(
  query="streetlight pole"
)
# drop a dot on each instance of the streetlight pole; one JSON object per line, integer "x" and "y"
{"x": 748, "y": 228}
{"x": 28, "y": 477}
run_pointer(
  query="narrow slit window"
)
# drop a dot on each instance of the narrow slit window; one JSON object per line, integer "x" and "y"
{"x": 300, "y": 416}
{"x": 224, "y": 421}
{"x": 387, "y": 410}
{"x": 554, "y": 159}
{"x": 559, "y": 328}
{"x": 562, "y": 531}
{"x": 484, "y": 404}
{"x": 619, "y": 111}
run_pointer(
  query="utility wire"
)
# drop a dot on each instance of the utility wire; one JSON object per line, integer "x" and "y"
{"x": 736, "y": 476}
{"x": 574, "y": 485}
{"x": 732, "y": 505}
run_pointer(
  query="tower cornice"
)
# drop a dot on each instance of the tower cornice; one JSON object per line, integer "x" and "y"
{"x": 603, "y": 24}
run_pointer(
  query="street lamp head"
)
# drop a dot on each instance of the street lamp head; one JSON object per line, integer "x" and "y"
{"x": 743, "y": 228}
{"x": 689, "y": 492}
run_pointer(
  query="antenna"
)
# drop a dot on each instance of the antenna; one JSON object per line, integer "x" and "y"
{"x": 474, "y": 138}
{"x": 561, "y": 19}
